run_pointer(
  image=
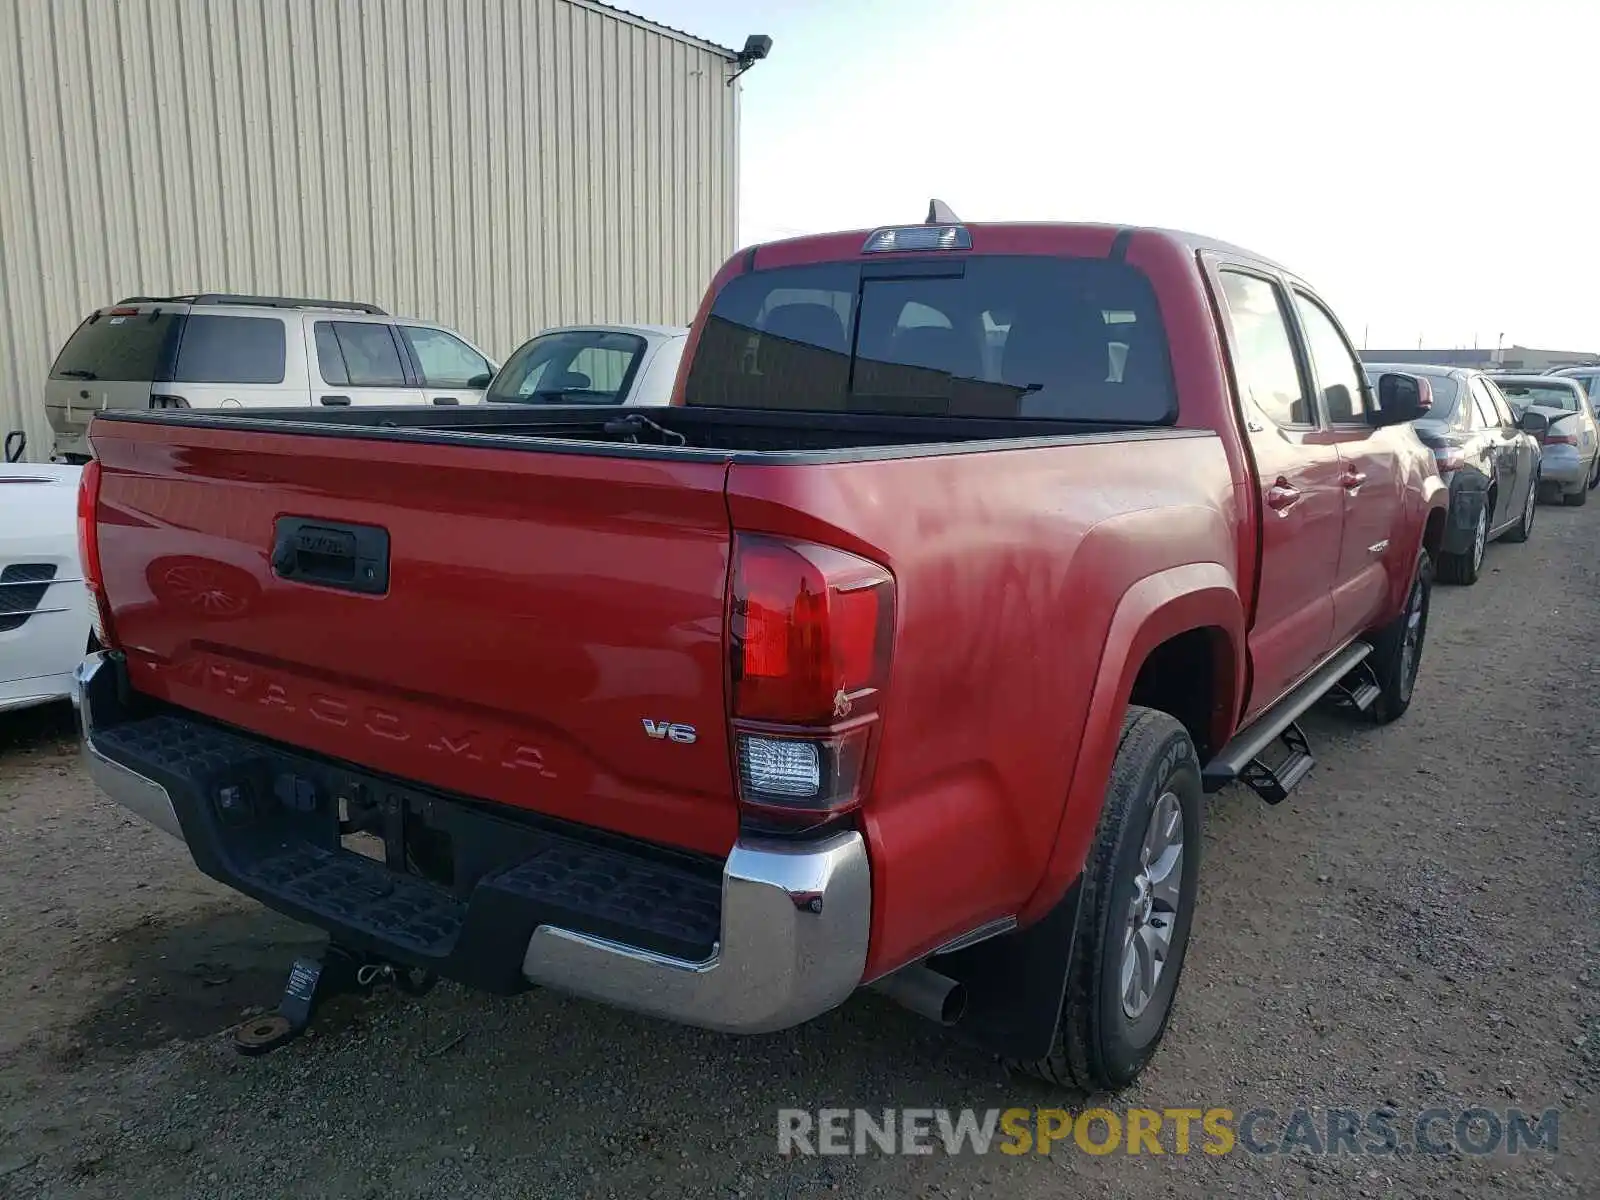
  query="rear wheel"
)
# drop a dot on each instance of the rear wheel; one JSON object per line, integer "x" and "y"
{"x": 1135, "y": 908}
{"x": 1594, "y": 475}
{"x": 1575, "y": 499}
{"x": 1463, "y": 568}
{"x": 1397, "y": 650}
{"x": 1520, "y": 532}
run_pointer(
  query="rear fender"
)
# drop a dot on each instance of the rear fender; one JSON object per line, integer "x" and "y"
{"x": 1156, "y": 608}
{"x": 1427, "y": 494}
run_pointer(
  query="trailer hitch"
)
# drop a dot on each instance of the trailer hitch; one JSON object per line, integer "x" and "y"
{"x": 339, "y": 971}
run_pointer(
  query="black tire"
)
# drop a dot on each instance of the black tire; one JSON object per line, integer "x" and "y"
{"x": 1520, "y": 531}
{"x": 1099, "y": 1047}
{"x": 1575, "y": 499}
{"x": 1464, "y": 568}
{"x": 1396, "y": 674}
{"x": 1594, "y": 475}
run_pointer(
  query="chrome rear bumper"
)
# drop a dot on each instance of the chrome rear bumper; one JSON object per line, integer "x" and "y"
{"x": 794, "y": 944}
{"x": 795, "y": 916}
{"x": 143, "y": 797}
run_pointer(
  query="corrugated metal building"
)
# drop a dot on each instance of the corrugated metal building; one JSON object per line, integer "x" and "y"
{"x": 493, "y": 165}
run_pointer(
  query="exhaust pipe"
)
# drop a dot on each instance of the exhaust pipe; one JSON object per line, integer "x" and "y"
{"x": 925, "y": 992}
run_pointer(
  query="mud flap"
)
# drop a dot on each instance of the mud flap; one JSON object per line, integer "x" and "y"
{"x": 1016, "y": 983}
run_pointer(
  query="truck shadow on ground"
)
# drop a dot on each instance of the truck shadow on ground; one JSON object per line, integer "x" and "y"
{"x": 185, "y": 979}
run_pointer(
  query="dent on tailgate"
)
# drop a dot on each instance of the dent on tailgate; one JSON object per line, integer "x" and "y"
{"x": 541, "y": 608}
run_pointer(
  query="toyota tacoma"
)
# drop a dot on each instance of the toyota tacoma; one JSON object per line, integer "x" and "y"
{"x": 900, "y": 651}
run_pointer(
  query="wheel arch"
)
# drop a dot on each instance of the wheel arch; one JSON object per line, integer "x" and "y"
{"x": 1186, "y": 618}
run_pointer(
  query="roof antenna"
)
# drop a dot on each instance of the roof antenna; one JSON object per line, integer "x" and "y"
{"x": 939, "y": 214}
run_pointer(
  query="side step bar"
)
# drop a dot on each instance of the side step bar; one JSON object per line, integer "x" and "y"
{"x": 1240, "y": 759}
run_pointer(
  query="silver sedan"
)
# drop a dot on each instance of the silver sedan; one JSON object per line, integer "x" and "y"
{"x": 1572, "y": 444}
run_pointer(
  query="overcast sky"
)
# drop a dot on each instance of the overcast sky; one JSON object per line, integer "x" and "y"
{"x": 1432, "y": 167}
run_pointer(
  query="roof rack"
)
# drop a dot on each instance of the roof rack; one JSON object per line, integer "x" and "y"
{"x": 258, "y": 302}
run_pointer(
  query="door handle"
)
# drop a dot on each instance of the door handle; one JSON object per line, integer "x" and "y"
{"x": 1281, "y": 497}
{"x": 337, "y": 401}
{"x": 446, "y": 400}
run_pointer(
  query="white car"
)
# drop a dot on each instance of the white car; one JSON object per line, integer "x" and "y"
{"x": 225, "y": 351}
{"x": 593, "y": 364}
{"x": 44, "y": 608}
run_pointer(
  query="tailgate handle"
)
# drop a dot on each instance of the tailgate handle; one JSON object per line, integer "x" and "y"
{"x": 353, "y": 558}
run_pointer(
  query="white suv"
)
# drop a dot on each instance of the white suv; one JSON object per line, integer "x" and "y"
{"x": 221, "y": 351}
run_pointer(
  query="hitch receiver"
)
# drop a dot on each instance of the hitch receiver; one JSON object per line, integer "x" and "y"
{"x": 312, "y": 981}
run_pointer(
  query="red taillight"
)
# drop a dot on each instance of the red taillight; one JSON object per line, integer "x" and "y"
{"x": 122, "y": 312}
{"x": 89, "y": 552}
{"x": 811, "y": 632}
{"x": 1558, "y": 439}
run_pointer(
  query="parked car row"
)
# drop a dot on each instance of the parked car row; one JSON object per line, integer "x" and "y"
{"x": 221, "y": 351}
{"x": 1501, "y": 442}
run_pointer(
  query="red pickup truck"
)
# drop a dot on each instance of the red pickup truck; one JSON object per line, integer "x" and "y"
{"x": 899, "y": 652}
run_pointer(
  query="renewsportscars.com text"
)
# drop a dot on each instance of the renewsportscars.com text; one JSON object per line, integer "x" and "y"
{"x": 1176, "y": 1131}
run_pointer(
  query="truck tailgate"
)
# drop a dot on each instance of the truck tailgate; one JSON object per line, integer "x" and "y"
{"x": 545, "y": 613}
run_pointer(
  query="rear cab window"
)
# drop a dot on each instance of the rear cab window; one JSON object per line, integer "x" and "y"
{"x": 992, "y": 336}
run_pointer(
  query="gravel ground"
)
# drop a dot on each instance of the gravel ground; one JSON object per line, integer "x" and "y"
{"x": 1419, "y": 926}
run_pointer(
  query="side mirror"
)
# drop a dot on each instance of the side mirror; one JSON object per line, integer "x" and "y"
{"x": 1401, "y": 398}
{"x": 480, "y": 381}
{"x": 1533, "y": 422}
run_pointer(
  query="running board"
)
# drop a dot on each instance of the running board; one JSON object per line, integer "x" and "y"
{"x": 1239, "y": 759}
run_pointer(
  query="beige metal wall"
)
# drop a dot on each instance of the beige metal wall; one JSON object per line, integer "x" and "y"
{"x": 495, "y": 165}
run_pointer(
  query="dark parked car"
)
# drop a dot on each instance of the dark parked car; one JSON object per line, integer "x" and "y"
{"x": 1488, "y": 455}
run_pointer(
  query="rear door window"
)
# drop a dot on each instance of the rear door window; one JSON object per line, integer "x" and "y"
{"x": 358, "y": 354}
{"x": 1483, "y": 405}
{"x": 1264, "y": 361}
{"x": 218, "y": 349}
{"x": 981, "y": 336}
{"x": 1502, "y": 409}
{"x": 133, "y": 348}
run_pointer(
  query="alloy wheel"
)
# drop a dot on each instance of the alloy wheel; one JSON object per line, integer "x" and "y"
{"x": 1153, "y": 910}
{"x": 1411, "y": 640}
{"x": 1480, "y": 538}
